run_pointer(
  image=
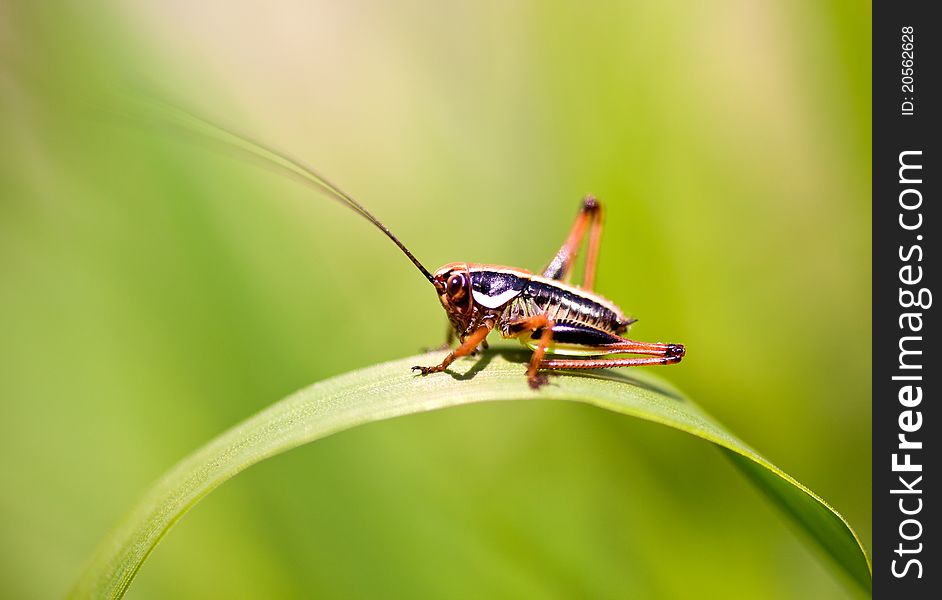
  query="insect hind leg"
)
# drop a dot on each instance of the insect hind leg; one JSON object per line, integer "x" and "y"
{"x": 589, "y": 217}
{"x": 653, "y": 353}
{"x": 607, "y": 363}
{"x": 585, "y": 340}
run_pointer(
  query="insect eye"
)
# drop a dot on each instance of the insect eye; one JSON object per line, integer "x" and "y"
{"x": 456, "y": 285}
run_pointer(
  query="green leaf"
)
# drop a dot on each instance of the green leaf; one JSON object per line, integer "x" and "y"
{"x": 391, "y": 390}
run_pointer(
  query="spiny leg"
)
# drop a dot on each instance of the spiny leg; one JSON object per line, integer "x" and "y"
{"x": 467, "y": 346}
{"x": 606, "y": 363}
{"x": 601, "y": 342}
{"x": 627, "y": 346}
{"x": 560, "y": 267}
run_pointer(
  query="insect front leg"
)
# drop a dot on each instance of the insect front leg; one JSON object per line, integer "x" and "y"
{"x": 589, "y": 217}
{"x": 468, "y": 345}
{"x": 484, "y": 345}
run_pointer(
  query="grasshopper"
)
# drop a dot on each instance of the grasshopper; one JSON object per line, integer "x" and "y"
{"x": 544, "y": 312}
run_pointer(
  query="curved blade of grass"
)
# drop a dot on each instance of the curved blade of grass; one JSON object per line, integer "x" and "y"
{"x": 391, "y": 390}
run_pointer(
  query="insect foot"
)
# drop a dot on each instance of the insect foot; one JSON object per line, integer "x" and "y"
{"x": 537, "y": 380}
{"x": 675, "y": 351}
{"x": 590, "y": 203}
{"x": 427, "y": 370}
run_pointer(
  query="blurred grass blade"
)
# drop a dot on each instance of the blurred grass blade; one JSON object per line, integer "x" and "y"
{"x": 390, "y": 390}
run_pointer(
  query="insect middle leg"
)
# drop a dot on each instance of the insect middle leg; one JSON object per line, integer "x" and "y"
{"x": 467, "y": 347}
{"x": 560, "y": 267}
{"x": 535, "y": 323}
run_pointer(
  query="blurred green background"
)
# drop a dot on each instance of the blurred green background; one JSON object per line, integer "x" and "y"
{"x": 153, "y": 293}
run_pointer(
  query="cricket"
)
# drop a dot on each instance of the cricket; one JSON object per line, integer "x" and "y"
{"x": 572, "y": 323}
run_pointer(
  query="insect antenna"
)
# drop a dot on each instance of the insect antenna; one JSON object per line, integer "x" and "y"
{"x": 290, "y": 166}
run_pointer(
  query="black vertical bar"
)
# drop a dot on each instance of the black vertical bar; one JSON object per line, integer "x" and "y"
{"x": 906, "y": 367}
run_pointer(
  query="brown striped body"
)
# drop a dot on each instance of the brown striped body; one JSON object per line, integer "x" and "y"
{"x": 566, "y": 304}
{"x": 505, "y": 297}
{"x": 543, "y": 311}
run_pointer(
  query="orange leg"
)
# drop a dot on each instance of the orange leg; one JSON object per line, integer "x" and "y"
{"x": 546, "y": 338}
{"x": 605, "y": 363}
{"x": 560, "y": 267}
{"x": 595, "y": 243}
{"x": 650, "y": 348}
{"x": 657, "y": 353}
{"x": 467, "y": 347}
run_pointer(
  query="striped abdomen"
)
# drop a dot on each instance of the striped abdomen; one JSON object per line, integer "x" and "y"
{"x": 565, "y": 304}
{"x": 518, "y": 294}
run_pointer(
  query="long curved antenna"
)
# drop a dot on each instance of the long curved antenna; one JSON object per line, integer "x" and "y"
{"x": 295, "y": 168}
